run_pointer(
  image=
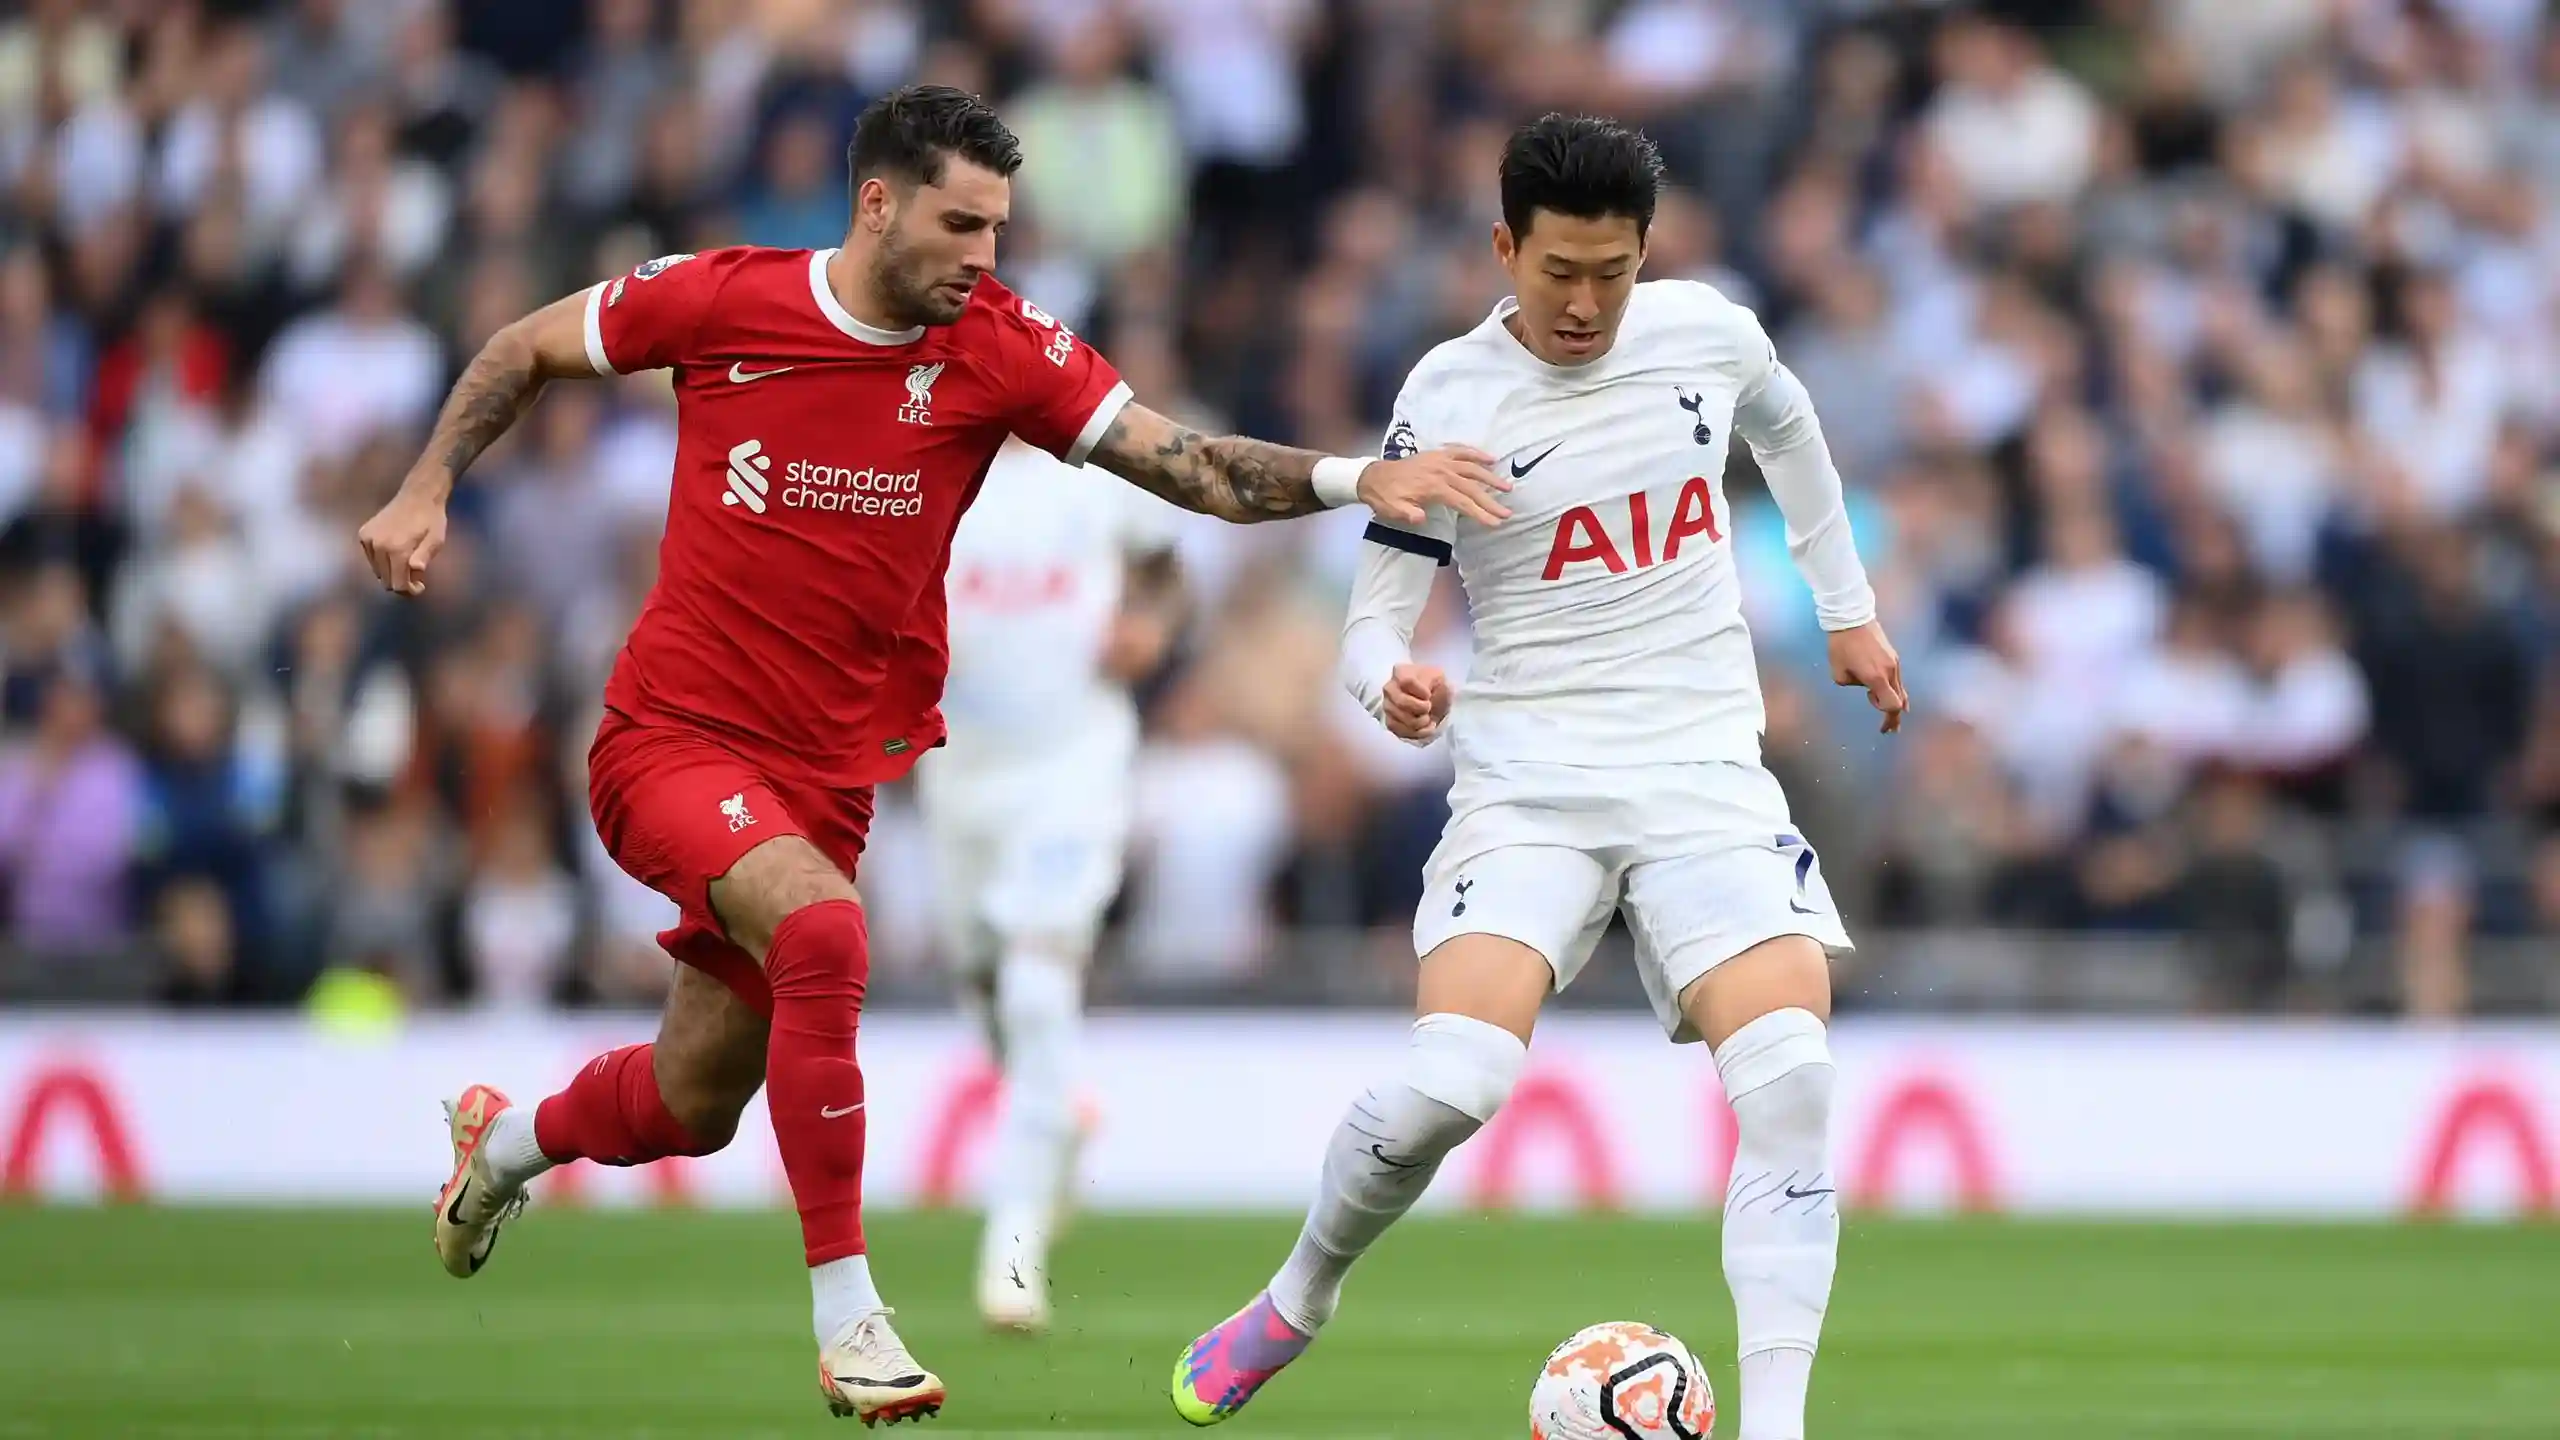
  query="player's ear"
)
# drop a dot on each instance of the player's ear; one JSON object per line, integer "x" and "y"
{"x": 1505, "y": 245}
{"x": 873, "y": 206}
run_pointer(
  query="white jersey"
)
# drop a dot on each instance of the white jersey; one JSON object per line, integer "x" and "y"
{"x": 1607, "y": 613}
{"x": 1034, "y": 583}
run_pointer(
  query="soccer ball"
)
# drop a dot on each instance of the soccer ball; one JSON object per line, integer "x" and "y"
{"x": 1622, "y": 1381}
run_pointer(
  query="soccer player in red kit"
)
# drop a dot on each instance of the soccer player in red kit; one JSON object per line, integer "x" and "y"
{"x": 836, "y": 411}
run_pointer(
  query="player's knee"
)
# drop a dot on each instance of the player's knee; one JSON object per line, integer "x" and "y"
{"x": 1467, "y": 1064}
{"x": 1778, "y": 1073}
{"x": 709, "y": 1117}
{"x": 1037, "y": 996}
{"x": 821, "y": 953}
{"x": 769, "y": 885}
{"x": 706, "y": 1079}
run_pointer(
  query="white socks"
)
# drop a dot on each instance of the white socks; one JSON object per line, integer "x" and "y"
{"x": 514, "y": 1158}
{"x": 1039, "y": 1015}
{"x": 1781, "y": 1213}
{"x": 841, "y": 1292}
{"x": 1458, "y": 1071}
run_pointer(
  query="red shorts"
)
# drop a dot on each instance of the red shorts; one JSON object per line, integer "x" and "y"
{"x": 677, "y": 810}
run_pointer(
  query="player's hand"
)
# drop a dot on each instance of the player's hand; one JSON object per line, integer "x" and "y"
{"x": 1417, "y": 700}
{"x": 401, "y": 539}
{"x": 1460, "y": 477}
{"x": 1864, "y": 657}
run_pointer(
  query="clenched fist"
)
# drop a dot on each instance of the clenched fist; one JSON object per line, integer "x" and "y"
{"x": 401, "y": 539}
{"x": 1417, "y": 700}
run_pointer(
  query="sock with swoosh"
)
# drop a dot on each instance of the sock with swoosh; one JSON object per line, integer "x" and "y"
{"x": 1781, "y": 1212}
{"x": 1458, "y": 1071}
{"x": 817, "y": 967}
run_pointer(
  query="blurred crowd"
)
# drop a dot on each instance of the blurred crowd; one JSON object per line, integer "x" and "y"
{"x": 2195, "y": 366}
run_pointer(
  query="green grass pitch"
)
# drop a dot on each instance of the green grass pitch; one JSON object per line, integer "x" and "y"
{"x": 325, "y": 1325}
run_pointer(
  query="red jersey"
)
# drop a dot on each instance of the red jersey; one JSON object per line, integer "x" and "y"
{"x": 822, "y": 465}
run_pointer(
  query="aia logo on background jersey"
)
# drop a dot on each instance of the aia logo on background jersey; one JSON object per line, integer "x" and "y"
{"x": 919, "y": 407}
{"x": 651, "y": 270}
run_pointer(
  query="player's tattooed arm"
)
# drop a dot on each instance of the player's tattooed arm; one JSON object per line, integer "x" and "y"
{"x": 1235, "y": 478}
{"x": 500, "y": 385}
{"x": 1242, "y": 480}
{"x": 496, "y": 388}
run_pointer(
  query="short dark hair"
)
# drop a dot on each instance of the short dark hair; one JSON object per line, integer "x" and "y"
{"x": 910, "y": 132}
{"x": 1578, "y": 165}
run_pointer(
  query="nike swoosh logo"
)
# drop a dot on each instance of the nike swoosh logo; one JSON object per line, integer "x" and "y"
{"x": 1800, "y": 909}
{"x": 1795, "y": 1194}
{"x": 1379, "y": 1154}
{"x": 1520, "y": 468}
{"x": 453, "y": 1211}
{"x": 740, "y": 375}
{"x": 865, "y": 1382}
{"x": 829, "y": 1112}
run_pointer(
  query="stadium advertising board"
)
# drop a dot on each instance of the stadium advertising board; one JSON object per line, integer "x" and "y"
{"x": 2046, "y": 1118}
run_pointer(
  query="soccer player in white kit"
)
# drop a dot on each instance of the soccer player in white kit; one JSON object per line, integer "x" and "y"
{"x": 1061, "y": 588}
{"x": 1607, "y": 748}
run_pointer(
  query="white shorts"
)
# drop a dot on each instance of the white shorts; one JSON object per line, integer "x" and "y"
{"x": 1025, "y": 851}
{"x": 1702, "y": 859}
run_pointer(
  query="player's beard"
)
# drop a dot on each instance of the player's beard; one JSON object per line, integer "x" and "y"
{"x": 908, "y": 290}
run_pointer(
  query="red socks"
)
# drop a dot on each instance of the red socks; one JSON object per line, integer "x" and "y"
{"x": 613, "y": 1114}
{"x": 820, "y": 961}
{"x": 817, "y": 968}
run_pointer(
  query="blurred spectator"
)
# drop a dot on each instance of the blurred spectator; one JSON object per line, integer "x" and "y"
{"x": 442, "y": 95}
{"x": 325, "y": 52}
{"x": 1212, "y": 822}
{"x": 519, "y": 916}
{"x": 2013, "y": 128}
{"x": 381, "y": 906}
{"x": 1102, "y": 159}
{"x": 375, "y": 204}
{"x": 2450, "y": 696}
{"x": 70, "y": 816}
{"x": 361, "y": 367}
{"x": 616, "y": 80}
{"x": 199, "y": 584}
{"x": 2274, "y": 462}
{"x": 2234, "y": 898}
{"x": 44, "y": 350}
{"x": 799, "y": 200}
{"x": 2433, "y": 400}
{"x": 210, "y": 801}
{"x": 198, "y": 949}
{"x": 237, "y": 132}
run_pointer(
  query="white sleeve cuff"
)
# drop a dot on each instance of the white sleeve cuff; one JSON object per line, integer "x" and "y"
{"x": 1104, "y": 412}
{"x": 595, "y": 330}
{"x": 1337, "y": 480}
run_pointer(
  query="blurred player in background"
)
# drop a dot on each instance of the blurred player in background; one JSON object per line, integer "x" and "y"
{"x": 1063, "y": 591}
{"x": 1607, "y": 750}
{"x": 836, "y": 412}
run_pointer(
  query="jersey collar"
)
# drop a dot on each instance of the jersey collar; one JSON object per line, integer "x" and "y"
{"x": 842, "y": 318}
